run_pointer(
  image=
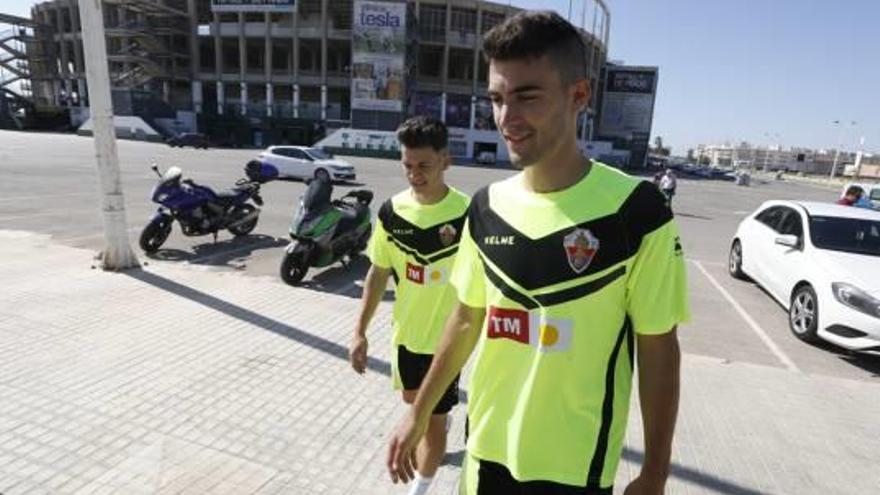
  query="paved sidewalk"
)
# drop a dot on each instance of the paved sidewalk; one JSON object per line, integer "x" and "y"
{"x": 178, "y": 379}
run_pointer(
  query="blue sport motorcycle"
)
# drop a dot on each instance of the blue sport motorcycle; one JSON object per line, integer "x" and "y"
{"x": 200, "y": 210}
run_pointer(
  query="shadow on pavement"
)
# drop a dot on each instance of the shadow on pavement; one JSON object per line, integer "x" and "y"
{"x": 696, "y": 477}
{"x": 867, "y": 362}
{"x": 339, "y": 276}
{"x": 220, "y": 253}
{"x": 256, "y": 319}
{"x": 454, "y": 458}
{"x": 691, "y": 215}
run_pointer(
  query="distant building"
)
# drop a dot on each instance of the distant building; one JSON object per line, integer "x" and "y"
{"x": 297, "y": 67}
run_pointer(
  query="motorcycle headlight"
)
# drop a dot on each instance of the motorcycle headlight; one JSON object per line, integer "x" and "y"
{"x": 852, "y": 296}
{"x": 162, "y": 197}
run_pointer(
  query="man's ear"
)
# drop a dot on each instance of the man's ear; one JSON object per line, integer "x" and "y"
{"x": 447, "y": 159}
{"x": 581, "y": 94}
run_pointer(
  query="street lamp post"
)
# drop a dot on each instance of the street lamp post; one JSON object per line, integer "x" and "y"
{"x": 837, "y": 150}
{"x": 117, "y": 253}
{"x": 859, "y": 158}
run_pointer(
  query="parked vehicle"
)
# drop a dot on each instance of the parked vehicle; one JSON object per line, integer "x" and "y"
{"x": 872, "y": 192}
{"x": 326, "y": 230}
{"x": 485, "y": 157}
{"x": 200, "y": 210}
{"x": 302, "y": 162}
{"x": 193, "y": 139}
{"x": 821, "y": 262}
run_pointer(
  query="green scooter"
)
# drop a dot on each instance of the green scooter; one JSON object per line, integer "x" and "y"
{"x": 326, "y": 230}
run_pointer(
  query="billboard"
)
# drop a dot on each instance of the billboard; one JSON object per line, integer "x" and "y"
{"x": 628, "y": 102}
{"x": 253, "y": 5}
{"x": 378, "y": 48}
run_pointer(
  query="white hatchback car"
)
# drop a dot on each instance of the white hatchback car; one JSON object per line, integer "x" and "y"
{"x": 821, "y": 262}
{"x": 302, "y": 162}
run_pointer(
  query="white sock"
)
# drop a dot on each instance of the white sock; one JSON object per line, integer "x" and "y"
{"x": 420, "y": 485}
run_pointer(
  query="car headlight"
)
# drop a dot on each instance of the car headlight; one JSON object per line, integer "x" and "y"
{"x": 856, "y": 298}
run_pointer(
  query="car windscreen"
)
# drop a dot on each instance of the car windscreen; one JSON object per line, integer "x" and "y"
{"x": 319, "y": 154}
{"x": 850, "y": 235}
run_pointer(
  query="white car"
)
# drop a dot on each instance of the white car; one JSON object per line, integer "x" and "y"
{"x": 302, "y": 162}
{"x": 821, "y": 262}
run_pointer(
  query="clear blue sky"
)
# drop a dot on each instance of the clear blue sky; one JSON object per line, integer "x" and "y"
{"x": 747, "y": 69}
{"x": 738, "y": 70}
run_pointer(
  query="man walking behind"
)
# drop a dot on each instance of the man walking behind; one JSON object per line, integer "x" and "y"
{"x": 568, "y": 275}
{"x": 415, "y": 241}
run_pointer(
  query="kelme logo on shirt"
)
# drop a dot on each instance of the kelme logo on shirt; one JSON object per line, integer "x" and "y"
{"x": 425, "y": 275}
{"x": 580, "y": 247}
{"x": 402, "y": 231}
{"x": 498, "y": 240}
{"x": 530, "y": 328}
{"x": 447, "y": 234}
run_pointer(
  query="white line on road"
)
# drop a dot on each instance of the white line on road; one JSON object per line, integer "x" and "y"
{"x": 788, "y": 363}
{"x": 713, "y": 263}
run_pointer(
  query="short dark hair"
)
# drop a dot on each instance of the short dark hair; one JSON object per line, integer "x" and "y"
{"x": 422, "y": 131}
{"x": 532, "y": 34}
{"x": 854, "y": 191}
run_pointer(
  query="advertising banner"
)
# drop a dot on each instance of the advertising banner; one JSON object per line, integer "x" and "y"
{"x": 483, "y": 119}
{"x": 429, "y": 104}
{"x": 377, "y": 55}
{"x": 458, "y": 110}
{"x": 628, "y": 103}
{"x": 253, "y": 5}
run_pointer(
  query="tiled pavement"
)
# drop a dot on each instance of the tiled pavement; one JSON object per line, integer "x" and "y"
{"x": 178, "y": 379}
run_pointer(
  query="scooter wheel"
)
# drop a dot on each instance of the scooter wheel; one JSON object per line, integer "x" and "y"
{"x": 293, "y": 267}
{"x": 154, "y": 235}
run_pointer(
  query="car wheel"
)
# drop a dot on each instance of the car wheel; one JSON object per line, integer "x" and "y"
{"x": 322, "y": 174}
{"x": 734, "y": 264}
{"x": 803, "y": 314}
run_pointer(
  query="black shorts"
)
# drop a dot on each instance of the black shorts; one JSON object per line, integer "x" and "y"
{"x": 495, "y": 479}
{"x": 413, "y": 367}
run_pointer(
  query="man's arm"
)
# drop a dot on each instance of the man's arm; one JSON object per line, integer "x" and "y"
{"x": 459, "y": 338}
{"x": 374, "y": 288}
{"x": 659, "y": 361}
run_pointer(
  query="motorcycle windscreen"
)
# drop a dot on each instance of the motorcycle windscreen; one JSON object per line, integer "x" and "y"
{"x": 317, "y": 195}
{"x": 314, "y": 203}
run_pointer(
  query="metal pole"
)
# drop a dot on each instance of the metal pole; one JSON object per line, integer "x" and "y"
{"x": 858, "y": 164}
{"x": 837, "y": 150}
{"x": 118, "y": 253}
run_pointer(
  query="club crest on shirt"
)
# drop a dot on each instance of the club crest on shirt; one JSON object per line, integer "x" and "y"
{"x": 580, "y": 247}
{"x": 447, "y": 234}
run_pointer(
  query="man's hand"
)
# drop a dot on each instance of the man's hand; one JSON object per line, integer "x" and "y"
{"x": 646, "y": 485}
{"x": 401, "y": 459}
{"x": 357, "y": 353}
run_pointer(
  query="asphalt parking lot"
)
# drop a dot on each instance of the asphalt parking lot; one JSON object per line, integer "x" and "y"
{"x": 49, "y": 186}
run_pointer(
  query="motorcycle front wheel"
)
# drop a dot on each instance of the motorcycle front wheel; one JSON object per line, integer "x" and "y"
{"x": 294, "y": 266}
{"x": 155, "y": 234}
